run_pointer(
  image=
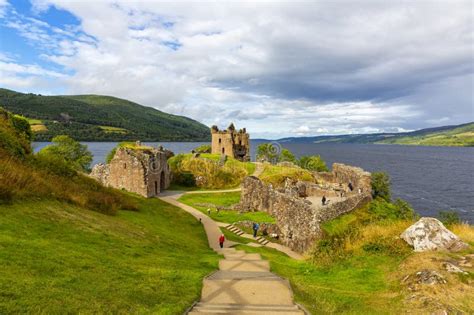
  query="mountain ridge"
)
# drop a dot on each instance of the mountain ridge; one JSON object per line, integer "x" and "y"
{"x": 113, "y": 119}
{"x": 450, "y": 135}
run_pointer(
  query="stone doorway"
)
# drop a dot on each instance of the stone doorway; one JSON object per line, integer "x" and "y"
{"x": 156, "y": 188}
{"x": 162, "y": 181}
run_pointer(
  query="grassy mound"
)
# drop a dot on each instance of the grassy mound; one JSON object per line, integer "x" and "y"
{"x": 207, "y": 172}
{"x": 202, "y": 202}
{"x": 276, "y": 175}
{"x": 58, "y": 258}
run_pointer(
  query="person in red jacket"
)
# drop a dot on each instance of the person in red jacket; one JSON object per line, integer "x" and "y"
{"x": 221, "y": 240}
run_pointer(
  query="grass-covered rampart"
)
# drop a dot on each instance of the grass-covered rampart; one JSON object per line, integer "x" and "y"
{"x": 207, "y": 172}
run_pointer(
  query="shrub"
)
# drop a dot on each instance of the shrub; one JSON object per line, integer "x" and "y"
{"x": 53, "y": 164}
{"x": 287, "y": 156}
{"x": 380, "y": 209}
{"x": 268, "y": 152}
{"x": 15, "y": 135}
{"x": 110, "y": 155}
{"x": 449, "y": 218}
{"x": 313, "y": 163}
{"x": 381, "y": 186}
{"x": 73, "y": 152}
{"x": 23, "y": 127}
{"x": 184, "y": 179}
{"x": 404, "y": 210}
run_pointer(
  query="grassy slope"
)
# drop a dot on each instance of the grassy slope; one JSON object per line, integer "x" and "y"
{"x": 140, "y": 122}
{"x": 461, "y": 136}
{"x": 224, "y": 199}
{"x": 57, "y": 258}
{"x": 207, "y": 166}
{"x": 349, "y": 279}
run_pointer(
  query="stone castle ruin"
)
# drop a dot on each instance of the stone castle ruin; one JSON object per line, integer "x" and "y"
{"x": 297, "y": 207}
{"x": 231, "y": 142}
{"x": 138, "y": 169}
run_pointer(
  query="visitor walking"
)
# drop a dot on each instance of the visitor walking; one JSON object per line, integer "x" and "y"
{"x": 221, "y": 240}
{"x": 255, "y": 227}
{"x": 323, "y": 200}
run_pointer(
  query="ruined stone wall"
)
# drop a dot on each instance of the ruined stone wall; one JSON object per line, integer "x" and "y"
{"x": 144, "y": 172}
{"x": 345, "y": 174}
{"x": 298, "y": 219}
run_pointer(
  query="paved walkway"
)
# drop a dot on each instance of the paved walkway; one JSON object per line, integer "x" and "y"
{"x": 243, "y": 284}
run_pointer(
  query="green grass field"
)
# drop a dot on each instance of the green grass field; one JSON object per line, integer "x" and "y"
{"x": 58, "y": 259}
{"x": 224, "y": 199}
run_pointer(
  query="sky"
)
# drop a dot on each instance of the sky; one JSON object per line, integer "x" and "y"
{"x": 280, "y": 69}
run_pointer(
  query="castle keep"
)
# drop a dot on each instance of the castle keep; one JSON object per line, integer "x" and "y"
{"x": 231, "y": 143}
{"x": 138, "y": 169}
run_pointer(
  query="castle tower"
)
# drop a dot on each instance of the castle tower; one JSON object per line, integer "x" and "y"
{"x": 231, "y": 142}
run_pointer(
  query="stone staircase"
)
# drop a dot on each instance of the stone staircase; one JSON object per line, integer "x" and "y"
{"x": 244, "y": 285}
{"x": 239, "y": 232}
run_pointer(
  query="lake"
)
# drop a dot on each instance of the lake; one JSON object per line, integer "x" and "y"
{"x": 429, "y": 178}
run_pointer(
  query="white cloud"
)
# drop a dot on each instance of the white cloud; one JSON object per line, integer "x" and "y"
{"x": 278, "y": 68}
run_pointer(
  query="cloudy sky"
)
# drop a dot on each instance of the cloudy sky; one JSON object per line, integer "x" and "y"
{"x": 278, "y": 68}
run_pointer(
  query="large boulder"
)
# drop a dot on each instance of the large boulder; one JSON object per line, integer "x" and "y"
{"x": 431, "y": 234}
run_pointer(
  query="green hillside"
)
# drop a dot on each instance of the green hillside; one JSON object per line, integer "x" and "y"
{"x": 71, "y": 246}
{"x": 100, "y": 118}
{"x": 457, "y": 136}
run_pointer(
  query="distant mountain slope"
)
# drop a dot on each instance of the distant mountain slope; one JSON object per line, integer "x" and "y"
{"x": 460, "y": 135}
{"x": 100, "y": 118}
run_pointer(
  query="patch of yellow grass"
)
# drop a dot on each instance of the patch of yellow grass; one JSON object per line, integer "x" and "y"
{"x": 39, "y": 128}
{"x": 456, "y": 294}
{"x": 464, "y": 231}
{"x": 276, "y": 175}
{"x": 376, "y": 232}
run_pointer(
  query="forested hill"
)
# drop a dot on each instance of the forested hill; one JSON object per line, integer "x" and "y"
{"x": 459, "y": 135}
{"x": 100, "y": 118}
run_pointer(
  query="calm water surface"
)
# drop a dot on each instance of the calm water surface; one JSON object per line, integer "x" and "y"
{"x": 430, "y": 178}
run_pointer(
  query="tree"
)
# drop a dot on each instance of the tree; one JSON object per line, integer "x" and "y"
{"x": 404, "y": 209}
{"x": 381, "y": 186}
{"x": 313, "y": 163}
{"x": 71, "y": 151}
{"x": 268, "y": 152}
{"x": 287, "y": 156}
